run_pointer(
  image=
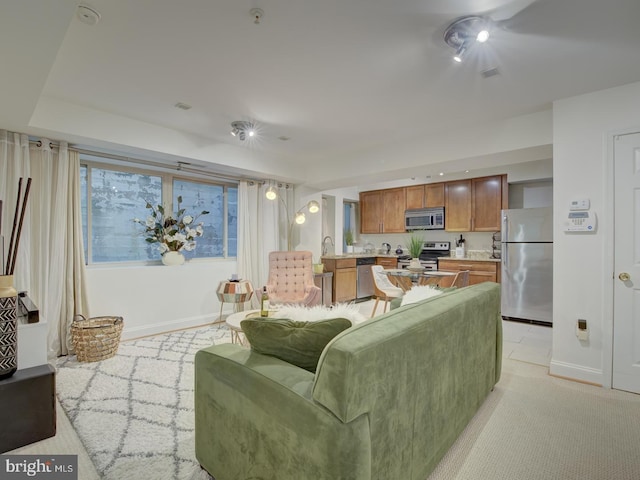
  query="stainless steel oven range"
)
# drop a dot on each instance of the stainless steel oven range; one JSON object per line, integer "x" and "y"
{"x": 431, "y": 251}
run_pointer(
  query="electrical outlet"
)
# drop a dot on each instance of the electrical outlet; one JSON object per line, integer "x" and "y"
{"x": 582, "y": 331}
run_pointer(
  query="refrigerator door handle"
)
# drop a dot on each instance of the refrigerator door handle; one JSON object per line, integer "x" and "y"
{"x": 505, "y": 257}
{"x": 505, "y": 228}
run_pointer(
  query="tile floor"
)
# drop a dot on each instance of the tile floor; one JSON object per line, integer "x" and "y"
{"x": 526, "y": 342}
{"x": 521, "y": 341}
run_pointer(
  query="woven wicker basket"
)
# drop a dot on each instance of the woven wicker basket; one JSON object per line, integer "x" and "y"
{"x": 95, "y": 338}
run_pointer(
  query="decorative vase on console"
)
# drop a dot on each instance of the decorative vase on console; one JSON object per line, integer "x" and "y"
{"x": 8, "y": 327}
{"x": 415, "y": 245}
{"x": 415, "y": 264}
{"x": 172, "y": 258}
{"x": 348, "y": 239}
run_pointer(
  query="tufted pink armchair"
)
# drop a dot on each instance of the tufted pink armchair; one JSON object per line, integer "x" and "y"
{"x": 291, "y": 279}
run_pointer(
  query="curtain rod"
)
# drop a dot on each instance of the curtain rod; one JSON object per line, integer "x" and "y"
{"x": 181, "y": 166}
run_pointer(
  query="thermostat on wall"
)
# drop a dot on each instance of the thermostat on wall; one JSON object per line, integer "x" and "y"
{"x": 581, "y": 204}
{"x": 580, "y": 222}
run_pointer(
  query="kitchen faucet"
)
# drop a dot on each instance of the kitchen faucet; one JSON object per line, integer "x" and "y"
{"x": 324, "y": 244}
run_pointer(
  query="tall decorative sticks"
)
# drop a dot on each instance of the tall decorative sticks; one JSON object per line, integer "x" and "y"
{"x": 16, "y": 230}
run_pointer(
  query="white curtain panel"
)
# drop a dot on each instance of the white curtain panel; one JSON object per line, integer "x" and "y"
{"x": 50, "y": 263}
{"x": 262, "y": 228}
{"x": 14, "y": 164}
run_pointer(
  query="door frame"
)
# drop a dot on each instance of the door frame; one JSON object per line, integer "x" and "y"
{"x": 609, "y": 253}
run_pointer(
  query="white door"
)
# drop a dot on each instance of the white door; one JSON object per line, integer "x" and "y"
{"x": 626, "y": 322}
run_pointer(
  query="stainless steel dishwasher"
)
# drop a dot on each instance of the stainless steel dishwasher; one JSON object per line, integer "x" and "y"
{"x": 365, "y": 277}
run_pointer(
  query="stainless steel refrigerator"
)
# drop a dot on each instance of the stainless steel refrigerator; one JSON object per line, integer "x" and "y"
{"x": 527, "y": 264}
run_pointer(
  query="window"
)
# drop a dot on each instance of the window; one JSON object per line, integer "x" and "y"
{"x": 197, "y": 197}
{"x": 113, "y": 196}
{"x": 350, "y": 218}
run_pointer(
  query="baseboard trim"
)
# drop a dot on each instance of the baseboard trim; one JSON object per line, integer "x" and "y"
{"x": 166, "y": 327}
{"x": 578, "y": 373}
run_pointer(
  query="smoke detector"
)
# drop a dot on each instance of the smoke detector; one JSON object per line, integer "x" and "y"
{"x": 87, "y": 15}
{"x": 257, "y": 14}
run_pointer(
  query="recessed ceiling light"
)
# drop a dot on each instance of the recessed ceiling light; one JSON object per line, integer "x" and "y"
{"x": 284, "y": 138}
{"x": 87, "y": 15}
{"x": 182, "y": 106}
{"x": 441, "y": 173}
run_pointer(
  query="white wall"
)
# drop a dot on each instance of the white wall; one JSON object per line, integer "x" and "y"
{"x": 583, "y": 263}
{"x": 158, "y": 298}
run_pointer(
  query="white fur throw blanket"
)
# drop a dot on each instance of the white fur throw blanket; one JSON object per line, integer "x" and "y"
{"x": 350, "y": 311}
{"x": 418, "y": 293}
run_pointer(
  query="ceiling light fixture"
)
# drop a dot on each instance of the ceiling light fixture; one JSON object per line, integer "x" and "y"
{"x": 241, "y": 129}
{"x": 459, "y": 56}
{"x": 483, "y": 36}
{"x": 464, "y": 32}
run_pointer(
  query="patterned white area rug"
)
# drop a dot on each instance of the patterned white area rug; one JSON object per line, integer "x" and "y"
{"x": 134, "y": 412}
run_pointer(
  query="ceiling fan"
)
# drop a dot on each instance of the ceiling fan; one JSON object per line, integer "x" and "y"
{"x": 464, "y": 32}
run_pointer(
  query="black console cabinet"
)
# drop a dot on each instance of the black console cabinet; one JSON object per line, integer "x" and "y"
{"x": 27, "y": 407}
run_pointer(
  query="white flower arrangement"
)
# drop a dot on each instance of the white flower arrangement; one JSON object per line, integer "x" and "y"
{"x": 173, "y": 234}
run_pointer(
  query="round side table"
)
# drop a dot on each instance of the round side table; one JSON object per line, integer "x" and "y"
{"x": 234, "y": 292}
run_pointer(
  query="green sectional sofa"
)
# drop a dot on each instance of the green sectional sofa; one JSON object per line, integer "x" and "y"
{"x": 389, "y": 397}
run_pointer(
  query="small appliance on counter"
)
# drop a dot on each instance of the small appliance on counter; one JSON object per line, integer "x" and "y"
{"x": 386, "y": 248}
{"x": 399, "y": 250}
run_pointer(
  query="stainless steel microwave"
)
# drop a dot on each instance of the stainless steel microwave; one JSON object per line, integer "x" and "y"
{"x": 424, "y": 219}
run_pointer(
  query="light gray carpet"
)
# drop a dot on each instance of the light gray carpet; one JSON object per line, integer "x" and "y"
{"x": 65, "y": 442}
{"x": 134, "y": 414}
{"x": 537, "y": 427}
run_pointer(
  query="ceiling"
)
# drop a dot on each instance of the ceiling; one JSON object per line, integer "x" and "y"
{"x": 322, "y": 80}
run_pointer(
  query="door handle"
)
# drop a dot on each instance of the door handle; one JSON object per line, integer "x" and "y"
{"x": 624, "y": 276}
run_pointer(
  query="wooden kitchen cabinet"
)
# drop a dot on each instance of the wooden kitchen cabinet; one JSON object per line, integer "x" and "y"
{"x": 479, "y": 270}
{"x": 382, "y": 211}
{"x": 474, "y": 205}
{"x": 370, "y": 212}
{"x": 345, "y": 277}
{"x": 425, "y": 196}
{"x": 415, "y": 196}
{"x": 457, "y": 206}
{"x": 471, "y": 205}
{"x": 486, "y": 203}
{"x": 387, "y": 262}
{"x": 434, "y": 195}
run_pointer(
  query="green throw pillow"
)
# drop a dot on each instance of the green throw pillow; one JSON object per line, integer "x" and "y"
{"x": 298, "y": 343}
